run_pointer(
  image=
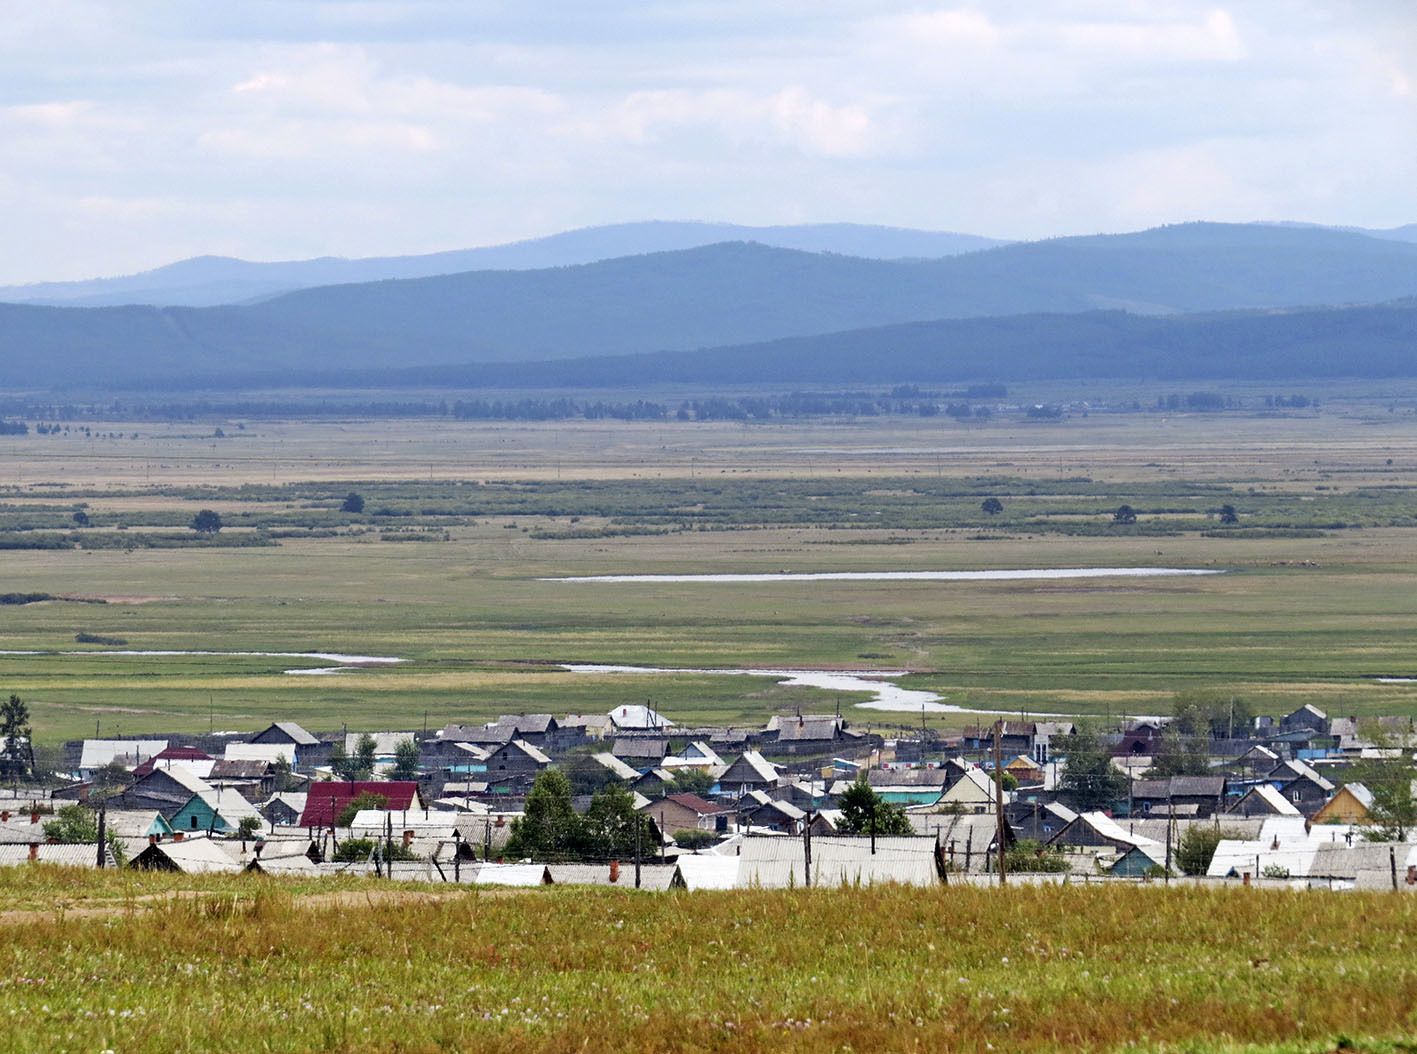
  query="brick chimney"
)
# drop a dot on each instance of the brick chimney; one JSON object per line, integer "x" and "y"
{"x": 34, "y": 851}
{"x": 4, "y": 815}
{"x": 407, "y": 839}
{"x": 34, "y": 817}
{"x": 177, "y": 836}
{"x": 614, "y": 871}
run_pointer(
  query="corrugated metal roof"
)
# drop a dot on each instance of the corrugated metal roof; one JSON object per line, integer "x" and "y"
{"x": 193, "y": 856}
{"x": 80, "y": 854}
{"x": 652, "y": 876}
{"x": 616, "y": 766}
{"x": 708, "y": 872}
{"x": 1237, "y": 858}
{"x": 97, "y": 753}
{"x": 773, "y": 863}
{"x": 268, "y": 753}
{"x": 375, "y": 821}
{"x": 511, "y": 875}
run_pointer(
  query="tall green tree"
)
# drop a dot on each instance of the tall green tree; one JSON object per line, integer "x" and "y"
{"x": 406, "y": 760}
{"x": 863, "y": 811}
{"x": 365, "y": 756}
{"x": 1180, "y": 754}
{"x": 1393, "y": 812}
{"x": 16, "y": 753}
{"x": 1208, "y": 712}
{"x": 548, "y": 824}
{"x": 611, "y": 824}
{"x": 691, "y": 780}
{"x": 1090, "y": 780}
{"x": 207, "y": 521}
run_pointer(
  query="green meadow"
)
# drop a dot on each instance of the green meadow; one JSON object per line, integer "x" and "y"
{"x": 362, "y": 966}
{"x": 443, "y": 568}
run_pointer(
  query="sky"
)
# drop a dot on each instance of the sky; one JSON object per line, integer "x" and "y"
{"x": 138, "y": 132}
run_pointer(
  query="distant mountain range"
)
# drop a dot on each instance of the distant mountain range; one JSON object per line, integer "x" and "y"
{"x": 207, "y": 281}
{"x": 778, "y": 302}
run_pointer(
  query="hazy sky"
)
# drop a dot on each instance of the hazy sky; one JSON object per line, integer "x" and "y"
{"x": 136, "y": 132}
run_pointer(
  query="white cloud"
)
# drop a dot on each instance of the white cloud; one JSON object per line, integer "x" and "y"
{"x": 792, "y": 117}
{"x": 282, "y": 128}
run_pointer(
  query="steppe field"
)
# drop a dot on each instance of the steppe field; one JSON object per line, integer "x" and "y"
{"x": 148, "y": 962}
{"x": 446, "y": 567}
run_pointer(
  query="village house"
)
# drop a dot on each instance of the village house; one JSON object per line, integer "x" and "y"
{"x": 684, "y": 812}
{"x": 1351, "y": 803}
{"x": 516, "y": 757}
{"x": 1198, "y": 796}
{"x": 326, "y": 800}
{"x": 750, "y": 772}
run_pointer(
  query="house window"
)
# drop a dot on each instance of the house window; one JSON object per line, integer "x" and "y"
{"x": 194, "y": 823}
{"x": 1297, "y": 795}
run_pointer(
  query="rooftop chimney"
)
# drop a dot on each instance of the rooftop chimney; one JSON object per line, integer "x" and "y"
{"x": 34, "y": 851}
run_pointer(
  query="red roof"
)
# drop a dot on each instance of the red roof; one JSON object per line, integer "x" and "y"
{"x": 697, "y": 804}
{"x": 171, "y": 754}
{"x": 326, "y": 800}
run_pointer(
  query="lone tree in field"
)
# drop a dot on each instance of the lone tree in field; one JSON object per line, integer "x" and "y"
{"x": 352, "y": 503}
{"x": 206, "y": 522}
{"x": 16, "y": 753}
{"x": 1228, "y": 514}
{"x": 993, "y": 506}
{"x": 1125, "y": 514}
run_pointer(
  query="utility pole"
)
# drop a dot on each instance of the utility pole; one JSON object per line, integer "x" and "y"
{"x": 638, "y": 827}
{"x": 103, "y": 837}
{"x": 807, "y": 848}
{"x": 999, "y": 795}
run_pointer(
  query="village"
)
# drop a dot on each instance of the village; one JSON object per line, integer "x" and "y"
{"x": 805, "y": 800}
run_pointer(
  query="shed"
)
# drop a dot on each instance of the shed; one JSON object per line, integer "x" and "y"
{"x": 192, "y": 856}
{"x": 1263, "y": 800}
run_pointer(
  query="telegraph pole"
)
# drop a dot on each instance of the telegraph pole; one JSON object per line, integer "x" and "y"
{"x": 999, "y": 795}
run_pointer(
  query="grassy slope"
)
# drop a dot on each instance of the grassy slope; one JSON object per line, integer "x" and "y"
{"x": 595, "y": 969}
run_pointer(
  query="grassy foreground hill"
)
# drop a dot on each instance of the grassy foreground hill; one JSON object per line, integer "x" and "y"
{"x": 148, "y": 963}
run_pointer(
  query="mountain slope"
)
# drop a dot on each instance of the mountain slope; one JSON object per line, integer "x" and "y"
{"x": 718, "y": 295}
{"x": 206, "y": 281}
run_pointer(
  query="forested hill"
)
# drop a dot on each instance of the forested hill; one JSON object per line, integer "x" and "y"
{"x": 1378, "y": 341}
{"x": 205, "y": 281}
{"x": 721, "y": 295}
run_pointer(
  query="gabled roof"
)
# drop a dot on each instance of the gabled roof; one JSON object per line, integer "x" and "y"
{"x": 814, "y": 728}
{"x": 193, "y": 856}
{"x": 97, "y": 753}
{"x": 696, "y": 804}
{"x": 239, "y": 770}
{"x": 751, "y": 767}
{"x": 640, "y": 748}
{"x": 522, "y": 746}
{"x": 325, "y": 801}
{"x": 975, "y": 786}
{"x": 173, "y": 754}
{"x": 1264, "y": 798}
{"x": 529, "y": 724}
{"x": 615, "y": 766}
{"x": 1104, "y": 827}
{"x": 386, "y": 744}
{"x": 1180, "y": 787}
{"x": 294, "y": 733}
{"x": 266, "y": 753}
{"x": 636, "y": 715}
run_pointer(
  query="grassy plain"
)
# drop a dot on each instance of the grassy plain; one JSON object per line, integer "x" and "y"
{"x": 1294, "y": 619}
{"x": 261, "y": 965}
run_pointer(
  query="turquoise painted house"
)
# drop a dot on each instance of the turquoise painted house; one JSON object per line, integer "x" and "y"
{"x": 218, "y": 811}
